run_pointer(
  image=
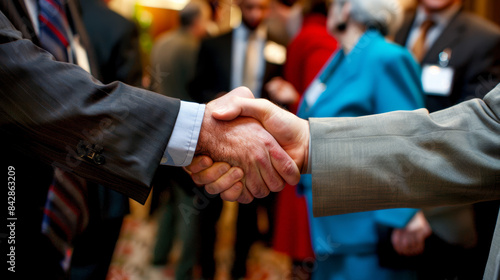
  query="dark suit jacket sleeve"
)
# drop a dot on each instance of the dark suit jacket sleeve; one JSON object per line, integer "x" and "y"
{"x": 47, "y": 108}
{"x": 407, "y": 159}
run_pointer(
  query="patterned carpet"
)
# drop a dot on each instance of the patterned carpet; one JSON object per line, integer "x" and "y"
{"x": 133, "y": 253}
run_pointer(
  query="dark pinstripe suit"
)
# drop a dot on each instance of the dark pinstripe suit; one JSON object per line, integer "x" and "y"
{"x": 47, "y": 108}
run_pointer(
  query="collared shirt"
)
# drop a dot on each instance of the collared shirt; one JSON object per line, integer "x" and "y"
{"x": 441, "y": 19}
{"x": 182, "y": 143}
{"x": 240, "y": 43}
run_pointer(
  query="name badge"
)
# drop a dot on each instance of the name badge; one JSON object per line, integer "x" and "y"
{"x": 437, "y": 80}
{"x": 315, "y": 89}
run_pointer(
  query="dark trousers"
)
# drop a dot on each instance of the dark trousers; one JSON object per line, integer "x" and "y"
{"x": 94, "y": 249}
{"x": 247, "y": 233}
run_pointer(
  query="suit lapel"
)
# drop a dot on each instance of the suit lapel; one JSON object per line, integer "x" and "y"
{"x": 403, "y": 33}
{"x": 449, "y": 36}
{"x": 76, "y": 19}
{"x": 344, "y": 67}
{"x": 18, "y": 15}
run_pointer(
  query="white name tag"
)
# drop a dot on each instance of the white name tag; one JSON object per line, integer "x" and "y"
{"x": 315, "y": 89}
{"x": 437, "y": 80}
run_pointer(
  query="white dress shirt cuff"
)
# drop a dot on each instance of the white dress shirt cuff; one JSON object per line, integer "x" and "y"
{"x": 182, "y": 143}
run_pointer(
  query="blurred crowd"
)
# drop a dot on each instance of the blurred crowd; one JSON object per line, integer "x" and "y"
{"x": 338, "y": 58}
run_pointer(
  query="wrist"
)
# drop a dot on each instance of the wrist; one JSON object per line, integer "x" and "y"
{"x": 205, "y": 138}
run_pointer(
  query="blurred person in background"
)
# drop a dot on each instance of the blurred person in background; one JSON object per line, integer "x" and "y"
{"x": 173, "y": 60}
{"x": 280, "y": 15}
{"x": 115, "y": 42}
{"x": 174, "y": 53}
{"x": 238, "y": 57}
{"x": 306, "y": 55}
{"x": 346, "y": 246}
{"x": 460, "y": 57}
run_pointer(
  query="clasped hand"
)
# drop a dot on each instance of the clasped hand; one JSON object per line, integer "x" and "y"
{"x": 249, "y": 147}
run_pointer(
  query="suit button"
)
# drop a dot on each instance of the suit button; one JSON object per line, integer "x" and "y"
{"x": 99, "y": 159}
{"x": 90, "y": 152}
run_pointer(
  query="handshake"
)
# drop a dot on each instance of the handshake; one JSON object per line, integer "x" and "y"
{"x": 249, "y": 147}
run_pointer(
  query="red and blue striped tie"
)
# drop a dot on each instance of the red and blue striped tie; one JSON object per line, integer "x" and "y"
{"x": 66, "y": 211}
{"x": 54, "y": 28}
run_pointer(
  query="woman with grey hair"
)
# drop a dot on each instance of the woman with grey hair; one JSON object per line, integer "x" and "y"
{"x": 368, "y": 75}
{"x": 383, "y": 15}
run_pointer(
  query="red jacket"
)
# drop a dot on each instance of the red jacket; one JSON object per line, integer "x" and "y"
{"x": 308, "y": 52}
{"x": 306, "y": 55}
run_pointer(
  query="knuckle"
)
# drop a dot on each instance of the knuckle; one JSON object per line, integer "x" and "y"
{"x": 279, "y": 186}
{"x": 246, "y": 199}
{"x": 261, "y": 159}
{"x": 196, "y": 178}
{"x": 260, "y": 192}
{"x": 211, "y": 189}
{"x": 289, "y": 168}
{"x": 229, "y": 196}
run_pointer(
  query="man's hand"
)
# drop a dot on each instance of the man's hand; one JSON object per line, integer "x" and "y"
{"x": 243, "y": 142}
{"x": 291, "y": 132}
{"x": 282, "y": 91}
{"x": 410, "y": 241}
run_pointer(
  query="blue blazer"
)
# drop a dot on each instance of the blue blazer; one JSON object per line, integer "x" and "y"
{"x": 375, "y": 77}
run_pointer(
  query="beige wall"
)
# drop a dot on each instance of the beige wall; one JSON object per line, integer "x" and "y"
{"x": 489, "y": 9}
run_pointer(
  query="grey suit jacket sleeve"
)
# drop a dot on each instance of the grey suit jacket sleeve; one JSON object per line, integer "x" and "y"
{"x": 407, "y": 159}
{"x": 47, "y": 108}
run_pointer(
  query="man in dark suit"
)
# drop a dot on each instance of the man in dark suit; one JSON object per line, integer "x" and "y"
{"x": 57, "y": 114}
{"x": 222, "y": 65}
{"x": 446, "y": 39}
{"x": 472, "y": 44}
{"x": 236, "y": 58}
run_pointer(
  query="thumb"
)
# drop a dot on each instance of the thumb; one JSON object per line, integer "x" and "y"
{"x": 241, "y": 92}
{"x": 226, "y": 108}
{"x": 244, "y": 107}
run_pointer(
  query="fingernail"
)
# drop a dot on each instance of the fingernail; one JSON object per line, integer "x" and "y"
{"x": 237, "y": 173}
{"x": 238, "y": 186}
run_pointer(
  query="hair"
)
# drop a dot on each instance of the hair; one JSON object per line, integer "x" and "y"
{"x": 383, "y": 15}
{"x": 314, "y": 7}
{"x": 190, "y": 13}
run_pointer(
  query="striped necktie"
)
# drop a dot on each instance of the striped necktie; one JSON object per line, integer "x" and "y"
{"x": 419, "y": 48}
{"x": 66, "y": 211}
{"x": 251, "y": 61}
{"x": 54, "y": 28}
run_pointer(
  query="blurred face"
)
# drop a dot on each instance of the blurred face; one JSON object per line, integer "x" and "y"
{"x": 338, "y": 13}
{"x": 200, "y": 25}
{"x": 254, "y": 12}
{"x": 437, "y": 5}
